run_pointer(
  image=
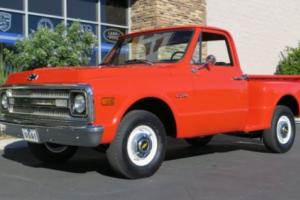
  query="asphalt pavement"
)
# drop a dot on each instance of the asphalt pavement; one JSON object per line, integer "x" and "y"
{"x": 229, "y": 168}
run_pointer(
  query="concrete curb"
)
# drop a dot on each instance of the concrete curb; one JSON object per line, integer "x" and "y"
{"x": 5, "y": 142}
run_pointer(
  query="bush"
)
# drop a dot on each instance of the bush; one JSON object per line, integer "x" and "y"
{"x": 290, "y": 61}
{"x": 65, "y": 46}
{"x": 2, "y": 77}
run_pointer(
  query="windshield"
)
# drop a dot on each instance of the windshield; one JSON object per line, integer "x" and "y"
{"x": 150, "y": 48}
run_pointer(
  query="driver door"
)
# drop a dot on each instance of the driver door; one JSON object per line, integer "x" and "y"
{"x": 221, "y": 100}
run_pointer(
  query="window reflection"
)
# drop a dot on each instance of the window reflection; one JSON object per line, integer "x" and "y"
{"x": 82, "y": 9}
{"x": 53, "y": 7}
{"x": 114, "y": 11}
{"x": 12, "y": 4}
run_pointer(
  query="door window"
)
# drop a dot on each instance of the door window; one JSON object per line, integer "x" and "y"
{"x": 215, "y": 45}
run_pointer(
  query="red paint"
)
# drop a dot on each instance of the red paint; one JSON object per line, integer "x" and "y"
{"x": 204, "y": 103}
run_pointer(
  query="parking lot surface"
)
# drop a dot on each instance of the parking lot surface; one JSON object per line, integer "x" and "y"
{"x": 229, "y": 168}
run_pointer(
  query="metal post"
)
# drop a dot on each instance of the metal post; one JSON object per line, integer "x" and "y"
{"x": 65, "y": 11}
{"x": 26, "y": 21}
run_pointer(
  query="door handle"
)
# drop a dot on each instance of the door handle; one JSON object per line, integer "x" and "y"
{"x": 243, "y": 77}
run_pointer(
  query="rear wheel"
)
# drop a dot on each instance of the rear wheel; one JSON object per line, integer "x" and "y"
{"x": 52, "y": 153}
{"x": 199, "y": 141}
{"x": 280, "y": 137}
{"x": 140, "y": 145}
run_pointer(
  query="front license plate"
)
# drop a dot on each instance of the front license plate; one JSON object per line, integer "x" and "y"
{"x": 30, "y": 135}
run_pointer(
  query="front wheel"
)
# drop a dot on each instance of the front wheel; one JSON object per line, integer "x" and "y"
{"x": 52, "y": 153}
{"x": 140, "y": 145}
{"x": 280, "y": 137}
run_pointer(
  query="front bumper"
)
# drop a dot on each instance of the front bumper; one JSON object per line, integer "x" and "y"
{"x": 86, "y": 136}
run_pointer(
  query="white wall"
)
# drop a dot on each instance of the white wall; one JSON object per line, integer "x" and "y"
{"x": 261, "y": 29}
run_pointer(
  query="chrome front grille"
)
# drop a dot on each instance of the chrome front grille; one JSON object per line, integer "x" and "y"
{"x": 39, "y": 93}
{"x": 43, "y": 102}
{"x": 64, "y": 113}
{"x": 39, "y": 102}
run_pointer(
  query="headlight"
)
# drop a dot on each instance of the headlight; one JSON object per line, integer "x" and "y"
{"x": 79, "y": 104}
{"x": 4, "y": 101}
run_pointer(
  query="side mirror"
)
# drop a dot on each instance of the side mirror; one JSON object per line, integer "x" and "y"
{"x": 210, "y": 60}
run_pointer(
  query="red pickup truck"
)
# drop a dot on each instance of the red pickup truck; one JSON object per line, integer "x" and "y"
{"x": 185, "y": 82}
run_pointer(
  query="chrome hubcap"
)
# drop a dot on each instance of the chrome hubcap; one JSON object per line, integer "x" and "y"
{"x": 142, "y": 145}
{"x": 284, "y": 129}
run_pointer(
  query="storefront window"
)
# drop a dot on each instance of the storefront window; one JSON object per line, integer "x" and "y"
{"x": 114, "y": 11}
{"x": 89, "y": 28}
{"x": 11, "y": 23}
{"x": 53, "y": 7}
{"x": 109, "y": 36}
{"x": 12, "y": 4}
{"x": 36, "y": 22}
{"x": 86, "y": 27}
{"x": 82, "y": 9}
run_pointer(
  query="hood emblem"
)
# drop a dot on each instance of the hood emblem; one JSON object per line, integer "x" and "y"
{"x": 32, "y": 77}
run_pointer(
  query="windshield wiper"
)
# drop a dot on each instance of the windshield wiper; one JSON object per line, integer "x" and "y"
{"x": 137, "y": 61}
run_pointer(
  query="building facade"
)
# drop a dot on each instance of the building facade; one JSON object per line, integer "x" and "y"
{"x": 261, "y": 29}
{"x": 107, "y": 19}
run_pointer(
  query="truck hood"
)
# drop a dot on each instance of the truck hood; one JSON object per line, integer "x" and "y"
{"x": 74, "y": 75}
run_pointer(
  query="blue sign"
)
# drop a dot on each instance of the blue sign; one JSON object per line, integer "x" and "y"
{"x": 5, "y": 21}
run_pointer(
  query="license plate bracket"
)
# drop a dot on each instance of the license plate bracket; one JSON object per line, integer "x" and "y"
{"x": 30, "y": 135}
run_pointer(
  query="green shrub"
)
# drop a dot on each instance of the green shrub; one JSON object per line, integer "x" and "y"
{"x": 2, "y": 77}
{"x": 65, "y": 46}
{"x": 290, "y": 61}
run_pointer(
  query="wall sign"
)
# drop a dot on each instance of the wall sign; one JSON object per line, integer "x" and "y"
{"x": 112, "y": 34}
{"x": 87, "y": 27}
{"x": 45, "y": 23}
{"x": 5, "y": 21}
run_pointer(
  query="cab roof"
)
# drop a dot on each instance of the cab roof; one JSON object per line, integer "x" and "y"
{"x": 153, "y": 30}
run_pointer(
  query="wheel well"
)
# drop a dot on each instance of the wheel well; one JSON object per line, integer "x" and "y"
{"x": 290, "y": 102}
{"x": 160, "y": 109}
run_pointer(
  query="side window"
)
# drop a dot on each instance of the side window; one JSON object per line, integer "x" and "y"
{"x": 212, "y": 44}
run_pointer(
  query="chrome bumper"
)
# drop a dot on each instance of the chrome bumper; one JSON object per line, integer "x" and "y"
{"x": 86, "y": 136}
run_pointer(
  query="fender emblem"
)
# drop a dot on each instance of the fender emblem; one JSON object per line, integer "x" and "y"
{"x": 182, "y": 95}
{"x": 32, "y": 77}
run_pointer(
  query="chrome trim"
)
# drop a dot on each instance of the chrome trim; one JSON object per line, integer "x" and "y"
{"x": 85, "y": 88}
{"x": 86, "y": 103}
{"x": 86, "y": 136}
{"x": 243, "y": 77}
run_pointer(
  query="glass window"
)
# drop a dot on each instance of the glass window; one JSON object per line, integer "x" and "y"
{"x": 12, "y": 4}
{"x": 150, "y": 48}
{"x": 109, "y": 37}
{"x": 11, "y": 23}
{"x": 114, "y": 11}
{"x": 86, "y": 27}
{"x": 212, "y": 44}
{"x": 82, "y": 9}
{"x": 53, "y": 7}
{"x": 36, "y": 21}
{"x": 11, "y": 27}
{"x": 93, "y": 60}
